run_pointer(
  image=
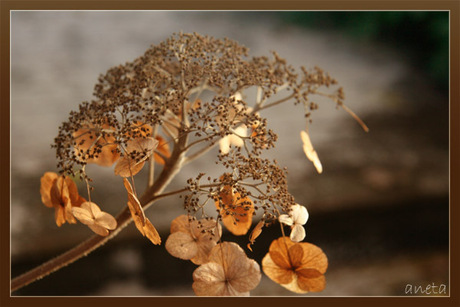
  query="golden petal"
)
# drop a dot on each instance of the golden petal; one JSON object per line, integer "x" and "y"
{"x": 125, "y": 167}
{"x": 46, "y": 183}
{"x": 151, "y": 233}
{"x": 275, "y": 272}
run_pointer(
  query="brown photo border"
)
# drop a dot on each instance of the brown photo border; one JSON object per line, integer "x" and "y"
{"x": 6, "y": 6}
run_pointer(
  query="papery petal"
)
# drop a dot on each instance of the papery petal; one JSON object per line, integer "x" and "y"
{"x": 224, "y": 144}
{"x": 163, "y": 148}
{"x": 83, "y": 215}
{"x": 311, "y": 280}
{"x": 285, "y": 219}
{"x": 126, "y": 167}
{"x": 151, "y": 233}
{"x": 276, "y": 273}
{"x": 102, "y": 231}
{"x": 297, "y": 233}
{"x": 106, "y": 220}
{"x": 310, "y": 152}
{"x": 46, "y": 183}
{"x": 313, "y": 258}
{"x": 181, "y": 245}
{"x": 244, "y": 277}
{"x": 209, "y": 280}
{"x": 59, "y": 215}
{"x": 299, "y": 214}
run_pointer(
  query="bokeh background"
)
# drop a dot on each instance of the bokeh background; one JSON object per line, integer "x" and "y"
{"x": 380, "y": 210}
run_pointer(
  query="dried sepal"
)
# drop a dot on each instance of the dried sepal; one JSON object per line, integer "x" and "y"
{"x": 299, "y": 267}
{"x": 98, "y": 221}
{"x": 137, "y": 151}
{"x": 192, "y": 239}
{"x": 236, "y": 211}
{"x": 162, "y": 149}
{"x": 255, "y": 233}
{"x": 142, "y": 223}
{"x": 229, "y": 272}
{"x": 94, "y": 144}
{"x": 310, "y": 151}
{"x": 60, "y": 193}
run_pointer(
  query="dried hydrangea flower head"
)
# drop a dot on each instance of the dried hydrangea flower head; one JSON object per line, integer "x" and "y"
{"x": 178, "y": 101}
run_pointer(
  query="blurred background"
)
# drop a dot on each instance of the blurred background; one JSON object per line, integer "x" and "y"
{"x": 380, "y": 209}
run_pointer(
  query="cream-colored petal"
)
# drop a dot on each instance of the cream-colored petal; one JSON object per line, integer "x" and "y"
{"x": 224, "y": 144}
{"x": 297, "y": 233}
{"x": 310, "y": 151}
{"x": 285, "y": 219}
{"x": 299, "y": 214}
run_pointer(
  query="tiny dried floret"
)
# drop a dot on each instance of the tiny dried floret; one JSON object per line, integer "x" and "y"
{"x": 298, "y": 216}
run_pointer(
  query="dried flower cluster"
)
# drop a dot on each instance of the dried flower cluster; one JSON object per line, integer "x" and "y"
{"x": 172, "y": 105}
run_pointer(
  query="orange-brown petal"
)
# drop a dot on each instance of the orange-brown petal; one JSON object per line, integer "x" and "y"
{"x": 46, "y": 183}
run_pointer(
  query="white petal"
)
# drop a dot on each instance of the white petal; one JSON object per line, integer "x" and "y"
{"x": 224, "y": 144}
{"x": 286, "y": 219}
{"x": 297, "y": 233}
{"x": 299, "y": 214}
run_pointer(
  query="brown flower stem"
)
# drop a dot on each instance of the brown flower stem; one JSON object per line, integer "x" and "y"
{"x": 171, "y": 168}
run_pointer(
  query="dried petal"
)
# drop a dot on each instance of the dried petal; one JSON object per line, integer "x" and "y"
{"x": 142, "y": 223}
{"x": 299, "y": 267}
{"x": 228, "y": 272}
{"x": 236, "y": 212}
{"x": 98, "y": 221}
{"x": 310, "y": 151}
{"x": 255, "y": 233}
{"x": 46, "y": 183}
{"x": 88, "y": 145}
{"x": 182, "y": 245}
{"x": 191, "y": 240}
{"x": 163, "y": 149}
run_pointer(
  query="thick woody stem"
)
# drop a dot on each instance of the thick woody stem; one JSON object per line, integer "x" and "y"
{"x": 171, "y": 168}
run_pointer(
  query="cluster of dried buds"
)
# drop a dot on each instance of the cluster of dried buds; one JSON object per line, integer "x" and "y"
{"x": 171, "y": 106}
